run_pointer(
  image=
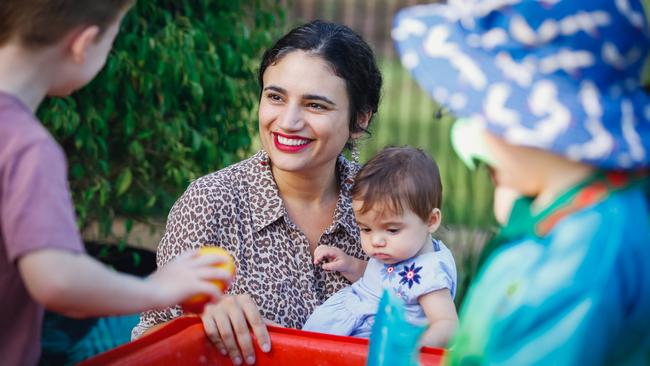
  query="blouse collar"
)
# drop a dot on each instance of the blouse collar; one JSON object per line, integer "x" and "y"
{"x": 267, "y": 206}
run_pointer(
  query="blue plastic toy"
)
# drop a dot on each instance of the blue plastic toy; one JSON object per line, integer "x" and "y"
{"x": 393, "y": 340}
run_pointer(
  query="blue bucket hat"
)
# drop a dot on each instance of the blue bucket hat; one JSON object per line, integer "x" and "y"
{"x": 562, "y": 76}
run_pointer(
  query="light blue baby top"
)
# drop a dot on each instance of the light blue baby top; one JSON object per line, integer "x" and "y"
{"x": 351, "y": 311}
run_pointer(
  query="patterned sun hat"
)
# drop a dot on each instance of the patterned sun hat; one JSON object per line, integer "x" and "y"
{"x": 562, "y": 76}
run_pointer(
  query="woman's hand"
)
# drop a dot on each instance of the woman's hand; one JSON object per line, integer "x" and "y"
{"x": 227, "y": 324}
{"x": 334, "y": 259}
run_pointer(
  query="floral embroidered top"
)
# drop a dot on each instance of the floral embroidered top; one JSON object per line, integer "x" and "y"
{"x": 351, "y": 311}
{"x": 240, "y": 209}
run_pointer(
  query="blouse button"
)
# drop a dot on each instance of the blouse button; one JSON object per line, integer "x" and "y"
{"x": 263, "y": 163}
{"x": 349, "y": 181}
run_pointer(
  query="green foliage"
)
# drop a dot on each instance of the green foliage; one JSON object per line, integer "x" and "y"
{"x": 176, "y": 100}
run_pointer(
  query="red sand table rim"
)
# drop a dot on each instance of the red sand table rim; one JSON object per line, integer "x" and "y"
{"x": 183, "y": 342}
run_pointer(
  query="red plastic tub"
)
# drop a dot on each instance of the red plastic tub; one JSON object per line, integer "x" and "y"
{"x": 183, "y": 342}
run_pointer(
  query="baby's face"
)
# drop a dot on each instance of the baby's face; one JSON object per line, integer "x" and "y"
{"x": 392, "y": 238}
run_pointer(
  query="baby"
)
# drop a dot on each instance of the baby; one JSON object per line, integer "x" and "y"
{"x": 396, "y": 199}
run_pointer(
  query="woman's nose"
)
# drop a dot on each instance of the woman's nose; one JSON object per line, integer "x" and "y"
{"x": 292, "y": 118}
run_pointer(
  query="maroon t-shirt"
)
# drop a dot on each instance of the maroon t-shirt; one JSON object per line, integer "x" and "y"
{"x": 35, "y": 213}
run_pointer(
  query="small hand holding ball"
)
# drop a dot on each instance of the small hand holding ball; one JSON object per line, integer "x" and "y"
{"x": 196, "y": 303}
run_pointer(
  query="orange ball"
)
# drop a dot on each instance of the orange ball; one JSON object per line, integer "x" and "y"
{"x": 196, "y": 303}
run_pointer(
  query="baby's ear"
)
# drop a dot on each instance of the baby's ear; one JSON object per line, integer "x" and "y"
{"x": 80, "y": 42}
{"x": 435, "y": 218}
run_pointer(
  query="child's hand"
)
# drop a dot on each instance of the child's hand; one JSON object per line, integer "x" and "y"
{"x": 187, "y": 275}
{"x": 332, "y": 259}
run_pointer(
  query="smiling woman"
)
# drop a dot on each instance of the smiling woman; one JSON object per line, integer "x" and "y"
{"x": 320, "y": 88}
{"x": 303, "y": 115}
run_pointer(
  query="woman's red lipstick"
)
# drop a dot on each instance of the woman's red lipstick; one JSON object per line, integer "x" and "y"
{"x": 282, "y": 142}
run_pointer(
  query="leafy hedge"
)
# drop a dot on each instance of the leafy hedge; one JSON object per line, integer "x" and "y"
{"x": 176, "y": 99}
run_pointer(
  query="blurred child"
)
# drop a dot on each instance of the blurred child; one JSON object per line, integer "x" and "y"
{"x": 552, "y": 94}
{"x": 53, "y": 47}
{"x": 396, "y": 199}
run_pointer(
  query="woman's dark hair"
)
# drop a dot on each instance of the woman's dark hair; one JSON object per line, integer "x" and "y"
{"x": 346, "y": 52}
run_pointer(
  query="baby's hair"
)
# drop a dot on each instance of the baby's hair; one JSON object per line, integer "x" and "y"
{"x": 399, "y": 178}
{"x": 40, "y": 23}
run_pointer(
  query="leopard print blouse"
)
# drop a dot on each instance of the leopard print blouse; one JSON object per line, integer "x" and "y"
{"x": 239, "y": 208}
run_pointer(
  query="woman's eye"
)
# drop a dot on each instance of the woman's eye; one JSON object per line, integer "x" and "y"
{"x": 316, "y": 106}
{"x": 274, "y": 97}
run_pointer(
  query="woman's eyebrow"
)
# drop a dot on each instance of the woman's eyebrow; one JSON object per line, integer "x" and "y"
{"x": 318, "y": 97}
{"x": 306, "y": 96}
{"x": 276, "y": 89}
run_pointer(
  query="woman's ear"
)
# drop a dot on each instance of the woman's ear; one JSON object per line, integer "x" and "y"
{"x": 435, "y": 218}
{"x": 80, "y": 42}
{"x": 362, "y": 121}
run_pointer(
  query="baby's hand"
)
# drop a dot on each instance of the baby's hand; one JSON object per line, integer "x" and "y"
{"x": 332, "y": 259}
